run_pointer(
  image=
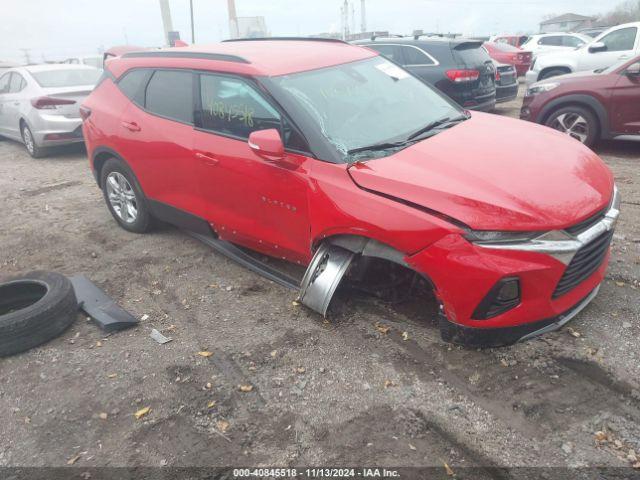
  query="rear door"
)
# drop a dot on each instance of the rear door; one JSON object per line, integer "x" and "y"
{"x": 156, "y": 138}
{"x": 14, "y": 101}
{"x": 5, "y": 81}
{"x": 471, "y": 56}
{"x": 625, "y": 105}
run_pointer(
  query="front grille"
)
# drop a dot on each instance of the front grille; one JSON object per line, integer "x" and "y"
{"x": 586, "y": 261}
{"x": 578, "y": 228}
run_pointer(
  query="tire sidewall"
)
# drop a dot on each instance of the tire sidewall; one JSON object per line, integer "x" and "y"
{"x": 143, "y": 221}
{"x": 37, "y": 151}
{"x": 592, "y": 121}
{"x": 41, "y": 321}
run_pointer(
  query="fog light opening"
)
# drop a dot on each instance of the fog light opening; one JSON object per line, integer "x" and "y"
{"x": 502, "y": 297}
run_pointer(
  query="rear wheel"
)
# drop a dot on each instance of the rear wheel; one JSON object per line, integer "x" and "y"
{"x": 577, "y": 122}
{"x": 124, "y": 197}
{"x": 30, "y": 142}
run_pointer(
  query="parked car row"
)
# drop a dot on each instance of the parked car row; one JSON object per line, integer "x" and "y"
{"x": 614, "y": 45}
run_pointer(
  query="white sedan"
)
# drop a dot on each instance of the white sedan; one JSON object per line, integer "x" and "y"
{"x": 40, "y": 104}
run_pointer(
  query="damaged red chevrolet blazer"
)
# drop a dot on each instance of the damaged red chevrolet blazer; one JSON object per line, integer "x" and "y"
{"x": 327, "y": 155}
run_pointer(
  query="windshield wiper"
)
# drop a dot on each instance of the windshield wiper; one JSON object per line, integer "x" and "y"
{"x": 376, "y": 147}
{"x": 445, "y": 122}
{"x": 442, "y": 123}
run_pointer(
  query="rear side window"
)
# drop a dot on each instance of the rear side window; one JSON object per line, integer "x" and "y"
{"x": 620, "y": 40}
{"x": 133, "y": 82}
{"x": 4, "y": 83}
{"x": 415, "y": 56}
{"x": 553, "y": 41}
{"x": 17, "y": 83}
{"x": 392, "y": 52}
{"x": 170, "y": 94}
{"x": 233, "y": 107}
{"x": 569, "y": 41}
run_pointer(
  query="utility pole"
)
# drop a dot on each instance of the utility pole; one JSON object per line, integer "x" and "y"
{"x": 363, "y": 17}
{"x": 27, "y": 56}
{"x": 233, "y": 19}
{"x": 166, "y": 20}
{"x": 193, "y": 34}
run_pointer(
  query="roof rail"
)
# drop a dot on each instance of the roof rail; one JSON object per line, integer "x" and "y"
{"x": 307, "y": 39}
{"x": 175, "y": 54}
{"x": 391, "y": 35}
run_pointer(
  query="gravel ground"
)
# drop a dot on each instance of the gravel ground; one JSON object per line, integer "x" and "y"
{"x": 336, "y": 392}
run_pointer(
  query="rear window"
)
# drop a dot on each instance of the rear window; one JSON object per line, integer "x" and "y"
{"x": 471, "y": 54}
{"x": 505, "y": 47}
{"x": 66, "y": 78}
{"x": 170, "y": 95}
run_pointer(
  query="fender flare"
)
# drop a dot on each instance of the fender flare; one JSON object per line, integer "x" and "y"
{"x": 581, "y": 99}
{"x": 104, "y": 152}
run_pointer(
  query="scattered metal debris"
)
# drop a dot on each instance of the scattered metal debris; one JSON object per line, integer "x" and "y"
{"x": 158, "y": 337}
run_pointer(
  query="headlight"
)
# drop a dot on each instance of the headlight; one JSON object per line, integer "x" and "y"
{"x": 537, "y": 88}
{"x": 493, "y": 237}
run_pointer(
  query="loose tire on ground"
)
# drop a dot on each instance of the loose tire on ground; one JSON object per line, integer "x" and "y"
{"x": 143, "y": 221}
{"x": 34, "y": 309}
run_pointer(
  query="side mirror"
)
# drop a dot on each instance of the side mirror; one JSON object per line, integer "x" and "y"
{"x": 267, "y": 144}
{"x": 596, "y": 47}
{"x": 633, "y": 70}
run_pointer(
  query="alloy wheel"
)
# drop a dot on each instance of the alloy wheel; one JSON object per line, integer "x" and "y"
{"x": 573, "y": 124}
{"x": 28, "y": 140}
{"x": 122, "y": 197}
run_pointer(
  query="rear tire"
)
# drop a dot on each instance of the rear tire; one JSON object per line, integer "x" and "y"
{"x": 30, "y": 142}
{"x": 577, "y": 122}
{"x": 554, "y": 72}
{"x": 124, "y": 197}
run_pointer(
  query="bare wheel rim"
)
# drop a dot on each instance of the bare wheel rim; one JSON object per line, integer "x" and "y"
{"x": 28, "y": 139}
{"x": 122, "y": 197}
{"x": 573, "y": 124}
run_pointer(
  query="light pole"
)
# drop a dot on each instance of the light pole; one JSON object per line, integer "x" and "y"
{"x": 193, "y": 35}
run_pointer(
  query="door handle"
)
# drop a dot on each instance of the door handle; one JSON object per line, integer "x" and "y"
{"x": 207, "y": 160}
{"x": 132, "y": 126}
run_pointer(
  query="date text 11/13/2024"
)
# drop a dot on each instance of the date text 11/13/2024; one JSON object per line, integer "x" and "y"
{"x": 315, "y": 473}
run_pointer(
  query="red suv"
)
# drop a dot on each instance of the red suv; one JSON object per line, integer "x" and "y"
{"x": 589, "y": 105}
{"x": 328, "y": 155}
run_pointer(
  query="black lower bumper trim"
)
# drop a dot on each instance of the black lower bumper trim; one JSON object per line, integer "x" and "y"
{"x": 502, "y": 336}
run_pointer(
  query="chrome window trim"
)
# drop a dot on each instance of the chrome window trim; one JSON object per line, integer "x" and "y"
{"x": 560, "y": 244}
{"x": 434, "y": 64}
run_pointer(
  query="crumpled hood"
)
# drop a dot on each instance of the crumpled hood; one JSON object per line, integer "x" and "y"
{"x": 495, "y": 173}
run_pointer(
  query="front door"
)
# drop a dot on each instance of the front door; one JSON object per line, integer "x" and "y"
{"x": 620, "y": 44}
{"x": 625, "y": 104}
{"x": 249, "y": 200}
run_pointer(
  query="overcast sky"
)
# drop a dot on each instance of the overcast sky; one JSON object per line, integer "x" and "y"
{"x": 61, "y": 28}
